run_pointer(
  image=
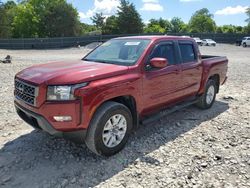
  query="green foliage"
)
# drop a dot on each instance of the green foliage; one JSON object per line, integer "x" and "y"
{"x": 202, "y": 22}
{"x": 98, "y": 20}
{"x": 86, "y": 28}
{"x": 26, "y": 22}
{"x": 219, "y": 30}
{"x": 60, "y": 20}
{"x": 128, "y": 20}
{"x": 7, "y": 16}
{"x": 246, "y": 29}
{"x": 110, "y": 26}
{"x": 177, "y": 25}
{"x": 36, "y": 18}
{"x": 154, "y": 28}
{"x": 157, "y": 26}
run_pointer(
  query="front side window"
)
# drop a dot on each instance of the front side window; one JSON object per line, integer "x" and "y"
{"x": 119, "y": 51}
{"x": 164, "y": 51}
{"x": 187, "y": 53}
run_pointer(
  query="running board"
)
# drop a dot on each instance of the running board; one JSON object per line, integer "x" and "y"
{"x": 167, "y": 111}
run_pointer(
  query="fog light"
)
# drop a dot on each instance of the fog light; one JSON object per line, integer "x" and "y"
{"x": 62, "y": 118}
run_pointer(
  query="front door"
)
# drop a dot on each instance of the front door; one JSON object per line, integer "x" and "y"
{"x": 162, "y": 86}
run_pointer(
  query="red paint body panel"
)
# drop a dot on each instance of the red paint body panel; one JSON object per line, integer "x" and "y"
{"x": 152, "y": 90}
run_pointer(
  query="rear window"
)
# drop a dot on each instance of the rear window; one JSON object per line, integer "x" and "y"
{"x": 187, "y": 52}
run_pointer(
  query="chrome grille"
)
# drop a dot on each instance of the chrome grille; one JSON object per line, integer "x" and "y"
{"x": 26, "y": 92}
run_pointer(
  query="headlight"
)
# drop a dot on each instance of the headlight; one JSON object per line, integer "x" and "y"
{"x": 62, "y": 93}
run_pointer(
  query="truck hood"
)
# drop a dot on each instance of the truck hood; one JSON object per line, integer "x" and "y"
{"x": 69, "y": 72}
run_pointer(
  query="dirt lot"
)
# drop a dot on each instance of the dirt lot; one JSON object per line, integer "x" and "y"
{"x": 190, "y": 148}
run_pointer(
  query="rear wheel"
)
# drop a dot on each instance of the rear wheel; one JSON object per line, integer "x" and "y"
{"x": 208, "y": 97}
{"x": 109, "y": 129}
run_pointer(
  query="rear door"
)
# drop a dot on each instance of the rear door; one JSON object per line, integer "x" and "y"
{"x": 162, "y": 86}
{"x": 191, "y": 68}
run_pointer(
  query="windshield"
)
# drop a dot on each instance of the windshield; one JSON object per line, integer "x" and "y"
{"x": 119, "y": 51}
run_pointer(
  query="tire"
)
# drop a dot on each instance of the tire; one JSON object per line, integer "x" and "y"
{"x": 244, "y": 45}
{"x": 206, "y": 101}
{"x": 100, "y": 135}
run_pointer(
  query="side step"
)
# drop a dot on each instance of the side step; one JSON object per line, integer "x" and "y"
{"x": 167, "y": 111}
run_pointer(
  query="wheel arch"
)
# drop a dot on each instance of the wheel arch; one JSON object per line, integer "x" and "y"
{"x": 130, "y": 102}
{"x": 216, "y": 78}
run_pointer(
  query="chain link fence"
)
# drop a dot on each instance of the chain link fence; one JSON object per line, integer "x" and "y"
{"x": 65, "y": 42}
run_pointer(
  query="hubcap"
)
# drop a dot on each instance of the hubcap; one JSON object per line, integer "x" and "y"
{"x": 210, "y": 94}
{"x": 114, "y": 130}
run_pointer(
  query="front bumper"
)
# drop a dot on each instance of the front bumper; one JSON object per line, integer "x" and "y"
{"x": 37, "y": 121}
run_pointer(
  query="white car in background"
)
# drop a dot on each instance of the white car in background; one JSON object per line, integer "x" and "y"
{"x": 208, "y": 42}
{"x": 245, "y": 41}
{"x": 198, "y": 41}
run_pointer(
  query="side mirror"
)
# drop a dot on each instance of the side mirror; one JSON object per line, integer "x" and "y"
{"x": 158, "y": 62}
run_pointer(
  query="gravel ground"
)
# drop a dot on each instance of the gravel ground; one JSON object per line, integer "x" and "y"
{"x": 190, "y": 148}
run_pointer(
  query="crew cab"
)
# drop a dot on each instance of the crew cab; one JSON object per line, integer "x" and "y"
{"x": 102, "y": 98}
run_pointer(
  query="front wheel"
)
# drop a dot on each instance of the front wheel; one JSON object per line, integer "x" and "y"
{"x": 244, "y": 45}
{"x": 208, "y": 97}
{"x": 109, "y": 129}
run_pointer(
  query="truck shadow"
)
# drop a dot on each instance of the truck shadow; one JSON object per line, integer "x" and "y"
{"x": 39, "y": 160}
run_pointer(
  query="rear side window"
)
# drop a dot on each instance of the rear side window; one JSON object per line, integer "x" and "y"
{"x": 164, "y": 51}
{"x": 187, "y": 52}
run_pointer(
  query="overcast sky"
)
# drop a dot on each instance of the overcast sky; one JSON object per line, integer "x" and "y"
{"x": 225, "y": 11}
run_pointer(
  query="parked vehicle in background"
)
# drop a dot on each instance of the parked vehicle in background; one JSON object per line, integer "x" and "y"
{"x": 103, "y": 97}
{"x": 245, "y": 41}
{"x": 208, "y": 42}
{"x": 198, "y": 41}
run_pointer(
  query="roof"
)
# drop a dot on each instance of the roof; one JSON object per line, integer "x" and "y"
{"x": 155, "y": 37}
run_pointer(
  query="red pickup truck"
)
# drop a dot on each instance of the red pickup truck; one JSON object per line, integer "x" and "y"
{"x": 103, "y": 97}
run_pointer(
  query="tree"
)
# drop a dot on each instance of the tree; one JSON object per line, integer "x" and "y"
{"x": 128, "y": 20}
{"x": 157, "y": 26}
{"x": 26, "y": 22}
{"x": 110, "y": 26}
{"x": 219, "y": 29}
{"x": 202, "y": 21}
{"x": 177, "y": 25}
{"x": 36, "y": 18}
{"x": 246, "y": 29}
{"x": 238, "y": 29}
{"x": 86, "y": 28}
{"x": 228, "y": 29}
{"x": 154, "y": 28}
{"x": 98, "y": 20}
{"x": 60, "y": 20}
{"x": 7, "y": 16}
